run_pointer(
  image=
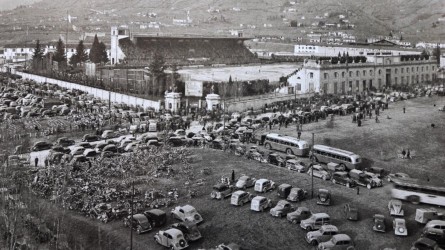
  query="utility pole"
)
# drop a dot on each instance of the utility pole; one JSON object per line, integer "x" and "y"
{"x": 131, "y": 216}
{"x": 312, "y": 169}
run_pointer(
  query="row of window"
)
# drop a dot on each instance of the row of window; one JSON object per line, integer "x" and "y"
{"x": 420, "y": 189}
{"x": 371, "y": 72}
{"x": 333, "y": 156}
{"x": 282, "y": 142}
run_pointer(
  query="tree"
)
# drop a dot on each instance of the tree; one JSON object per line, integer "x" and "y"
{"x": 59, "y": 55}
{"x": 38, "y": 53}
{"x": 436, "y": 53}
{"x": 81, "y": 54}
{"x": 103, "y": 52}
{"x": 157, "y": 68}
{"x": 74, "y": 60}
{"x": 95, "y": 53}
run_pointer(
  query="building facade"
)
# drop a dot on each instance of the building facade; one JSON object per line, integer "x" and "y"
{"x": 377, "y": 73}
{"x": 329, "y": 50}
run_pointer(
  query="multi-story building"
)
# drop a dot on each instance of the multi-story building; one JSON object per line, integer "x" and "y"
{"x": 352, "y": 50}
{"x": 377, "y": 72}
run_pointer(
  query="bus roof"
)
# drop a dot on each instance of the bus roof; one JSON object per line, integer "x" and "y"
{"x": 419, "y": 183}
{"x": 286, "y": 138}
{"x": 336, "y": 150}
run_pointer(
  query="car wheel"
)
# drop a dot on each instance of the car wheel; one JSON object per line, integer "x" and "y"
{"x": 267, "y": 146}
{"x": 139, "y": 230}
{"x": 414, "y": 199}
{"x": 325, "y": 177}
{"x": 309, "y": 228}
{"x": 314, "y": 243}
{"x": 368, "y": 186}
{"x": 313, "y": 158}
{"x": 348, "y": 185}
{"x": 289, "y": 151}
{"x": 333, "y": 181}
{"x": 294, "y": 221}
{"x": 182, "y": 243}
{"x": 264, "y": 190}
{"x": 240, "y": 203}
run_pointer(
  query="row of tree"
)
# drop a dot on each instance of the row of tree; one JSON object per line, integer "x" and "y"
{"x": 98, "y": 53}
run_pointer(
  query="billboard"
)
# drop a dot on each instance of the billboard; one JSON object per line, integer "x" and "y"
{"x": 193, "y": 88}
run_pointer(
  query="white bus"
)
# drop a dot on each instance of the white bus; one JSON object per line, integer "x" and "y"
{"x": 416, "y": 191}
{"x": 288, "y": 144}
{"x": 326, "y": 154}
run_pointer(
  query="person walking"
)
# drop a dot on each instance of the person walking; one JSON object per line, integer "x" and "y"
{"x": 233, "y": 176}
{"x": 404, "y": 110}
{"x": 358, "y": 190}
{"x": 36, "y": 161}
{"x": 299, "y": 135}
{"x": 408, "y": 154}
{"x": 376, "y": 119}
{"x": 403, "y": 153}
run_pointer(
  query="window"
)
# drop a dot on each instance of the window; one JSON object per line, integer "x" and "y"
{"x": 350, "y": 73}
{"x": 395, "y": 80}
{"x": 417, "y": 68}
{"x": 371, "y": 72}
{"x": 325, "y": 75}
{"x": 380, "y": 71}
{"x": 426, "y": 68}
{"x": 401, "y": 70}
{"x": 343, "y": 74}
{"x": 335, "y": 74}
{"x": 432, "y": 68}
{"x": 412, "y": 69}
{"x": 357, "y": 73}
{"x": 364, "y": 72}
{"x": 407, "y": 70}
{"x": 311, "y": 75}
{"x": 422, "y": 68}
{"x": 397, "y": 71}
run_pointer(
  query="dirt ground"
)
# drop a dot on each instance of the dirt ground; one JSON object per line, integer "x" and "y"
{"x": 377, "y": 143}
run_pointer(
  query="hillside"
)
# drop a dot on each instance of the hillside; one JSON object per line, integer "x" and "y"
{"x": 411, "y": 18}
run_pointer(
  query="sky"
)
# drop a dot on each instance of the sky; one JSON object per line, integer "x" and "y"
{"x": 11, "y": 4}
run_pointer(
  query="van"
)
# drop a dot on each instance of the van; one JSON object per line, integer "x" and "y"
{"x": 264, "y": 185}
{"x": 315, "y": 221}
{"x": 260, "y": 203}
{"x": 240, "y": 197}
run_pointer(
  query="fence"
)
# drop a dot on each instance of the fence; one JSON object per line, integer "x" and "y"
{"x": 100, "y": 93}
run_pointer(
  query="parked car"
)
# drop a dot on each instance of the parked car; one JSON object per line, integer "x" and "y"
{"x": 379, "y": 172}
{"x": 276, "y": 159}
{"x": 399, "y": 226}
{"x": 85, "y": 145}
{"x": 186, "y": 213}
{"x": 337, "y": 242}
{"x": 425, "y": 244}
{"x": 438, "y": 235}
{"x": 264, "y": 185}
{"x": 315, "y": 221}
{"x": 138, "y": 222}
{"x": 297, "y": 194}
{"x": 260, "y": 204}
{"x": 77, "y": 150}
{"x": 41, "y": 145}
{"x": 436, "y": 224}
{"x": 283, "y": 190}
{"x": 324, "y": 197}
{"x": 343, "y": 179}
{"x": 282, "y": 208}
{"x": 361, "y": 179}
{"x": 335, "y": 167}
{"x": 108, "y": 134}
{"x": 245, "y": 182}
{"x": 318, "y": 171}
{"x": 171, "y": 238}
{"x": 221, "y": 191}
{"x": 351, "y": 212}
{"x": 240, "y": 198}
{"x": 323, "y": 234}
{"x": 90, "y": 138}
{"x": 301, "y": 213}
{"x": 395, "y": 207}
{"x": 189, "y": 230}
{"x": 391, "y": 177}
{"x": 423, "y": 215}
{"x": 295, "y": 165}
{"x": 61, "y": 149}
{"x": 379, "y": 223}
{"x": 65, "y": 142}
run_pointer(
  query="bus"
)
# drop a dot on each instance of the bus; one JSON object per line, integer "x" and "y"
{"x": 417, "y": 191}
{"x": 326, "y": 154}
{"x": 288, "y": 144}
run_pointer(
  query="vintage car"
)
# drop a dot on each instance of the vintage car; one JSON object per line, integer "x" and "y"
{"x": 337, "y": 242}
{"x": 276, "y": 159}
{"x": 240, "y": 198}
{"x": 351, "y": 212}
{"x": 245, "y": 182}
{"x": 318, "y": 171}
{"x": 395, "y": 207}
{"x": 61, "y": 149}
{"x": 399, "y": 226}
{"x": 379, "y": 223}
{"x": 335, "y": 167}
{"x": 295, "y": 165}
{"x": 423, "y": 215}
{"x": 65, "y": 142}
{"x": 374, "y": 177}
{"x": 324, "y": 197}
{"x": 315, "y": 221}
{"x": 156, "y": 217}
{"x": 379, "y": 172}
{"x": 138, "y": 222}
{"x": 90, "y": 138}
{"x": 260, "y": 203}
{"x": 282, "y": 208}
{"x": 186, "y": 213}
{"x": 391, "y": 177}
{"x": 323, "y": 234}
{"x": 297, "y": 194}
{"x": 189, "y": 230}
{"x": 221, "y": 191}
{"x": 436, "y": 224}
{"x": 41, "y": 145}
{"x": 264, "y": 185}
{"x": 171, "y": 238}
{"x": 424, "y": 243}
{"x": 298, "y": 215}
{"x": 438, "y": 235}
{"x": 362, "y": 179}
{"x": 343, "y": 179}
{"x": 283, "y": 190}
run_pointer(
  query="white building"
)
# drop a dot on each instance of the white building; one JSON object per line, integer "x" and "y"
{"x": 350, "y": 78}
{"x": 327, "y": 50}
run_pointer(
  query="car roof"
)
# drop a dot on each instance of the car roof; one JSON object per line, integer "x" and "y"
{"x": 257, "y": 198}
{"x": 174, "y": 232}
{"x": 284, "y": 185}
{"x": 322, "y": 190}
{"x": 140, "y": 217}
{"x": 262, "y": 180}
{"x": 321, "y": 215}
{"x": 188, "y": 207}
{"x": 283, "y": 202}
{"x": 435, "y": 222}
{"x": 239, "y": 192}
{"x": 329, "y": 228}
{"x": 341, "y": 237}
{"x": 156, "y": 212}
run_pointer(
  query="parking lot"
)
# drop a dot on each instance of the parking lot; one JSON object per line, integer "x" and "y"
{"x": 378, "y": 143}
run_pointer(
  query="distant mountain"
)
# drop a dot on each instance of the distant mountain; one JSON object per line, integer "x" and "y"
{"x": 11, "y": 4}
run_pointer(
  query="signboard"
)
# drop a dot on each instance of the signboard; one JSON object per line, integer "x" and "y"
{"x": 193, "y": 88}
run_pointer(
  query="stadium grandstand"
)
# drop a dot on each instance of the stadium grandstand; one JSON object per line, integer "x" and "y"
{"x": 140, "y": 50}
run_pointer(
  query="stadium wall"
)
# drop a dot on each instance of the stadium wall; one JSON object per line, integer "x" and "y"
{"x": 258, "y": 102}
{"x": 100, "y": 93}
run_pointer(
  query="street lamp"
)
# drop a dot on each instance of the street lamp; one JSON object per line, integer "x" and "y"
{"x": 312, "y": 169}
